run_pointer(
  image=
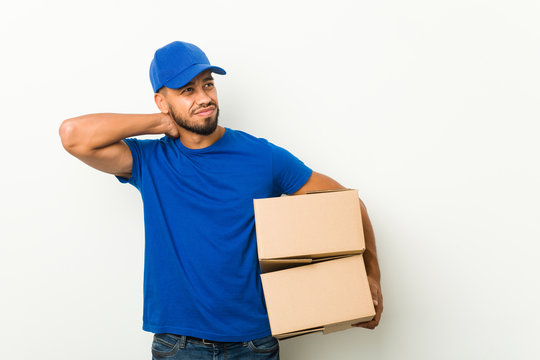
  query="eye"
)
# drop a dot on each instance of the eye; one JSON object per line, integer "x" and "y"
{"x": 188, "y": 89}
{"x": 209, "y": 84}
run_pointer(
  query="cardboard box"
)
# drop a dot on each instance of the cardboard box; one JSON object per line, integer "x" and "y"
{"x": 313, "y": 273}
{"x": 327, "y": 296}
{"x": 309, "y": 226}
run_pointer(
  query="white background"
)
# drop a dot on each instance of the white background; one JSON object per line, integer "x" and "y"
{"x": 429, "y": 108}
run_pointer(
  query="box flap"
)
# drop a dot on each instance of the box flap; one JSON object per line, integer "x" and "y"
{"x": 336, "y": 327}
{"x": 297, "y": 333}
{"x": 309, "y": 225}
{"x": 326, "y": 258}
{"x": 328, "y": 329}
{"x": 268, "y": 265}
{"x": 316, "y": 295}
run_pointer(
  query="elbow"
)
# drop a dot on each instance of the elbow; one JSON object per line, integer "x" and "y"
{"x": 67, "y": 132}
{"x": 362, "y": 206}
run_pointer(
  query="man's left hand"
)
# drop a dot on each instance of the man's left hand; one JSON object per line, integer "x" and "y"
{"x": 376, "y": 295}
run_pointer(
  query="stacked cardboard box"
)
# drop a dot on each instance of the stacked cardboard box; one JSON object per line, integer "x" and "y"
{"x": 310, "y": 251}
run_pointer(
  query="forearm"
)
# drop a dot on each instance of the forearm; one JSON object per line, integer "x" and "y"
{"x": 370, "y": 254}
{"x": 319, "y": 181}
{"x": 95, "y": 131}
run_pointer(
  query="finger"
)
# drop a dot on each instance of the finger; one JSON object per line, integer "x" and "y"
{"x": 374, "y": 289}
{"x": 371, "y": 324}
{"x": 367, "y": 325}
{"x": 377, "y": 300}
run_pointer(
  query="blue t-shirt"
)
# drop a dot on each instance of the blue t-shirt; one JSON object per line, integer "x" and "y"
{"x": 201, "y": 273}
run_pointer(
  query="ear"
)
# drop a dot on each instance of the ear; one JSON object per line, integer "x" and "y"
{"x": 161, "y": 103}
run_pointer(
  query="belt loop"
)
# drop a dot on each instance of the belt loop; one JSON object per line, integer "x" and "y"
{"x": 183, "y": 341}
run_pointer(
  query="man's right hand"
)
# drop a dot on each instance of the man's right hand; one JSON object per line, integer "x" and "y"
{"x": 171, "y": 128}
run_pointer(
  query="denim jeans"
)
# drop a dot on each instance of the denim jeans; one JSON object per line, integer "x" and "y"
{"x": 177, "y": 347}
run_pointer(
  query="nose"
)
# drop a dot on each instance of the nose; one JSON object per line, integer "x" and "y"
{"x": 203, "y": 98}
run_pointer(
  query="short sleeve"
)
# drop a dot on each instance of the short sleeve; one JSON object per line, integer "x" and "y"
{"x": 135, "y": 148}
{"x": 288, "y": 173}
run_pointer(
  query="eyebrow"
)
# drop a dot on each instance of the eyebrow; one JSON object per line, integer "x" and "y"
{"x": 209, "y": 77}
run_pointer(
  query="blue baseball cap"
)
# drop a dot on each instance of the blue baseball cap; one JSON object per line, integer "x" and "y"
{"x": 175, "y": 64}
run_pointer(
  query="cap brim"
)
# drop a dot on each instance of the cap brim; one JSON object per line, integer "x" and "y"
{"x": 187, "y": 75}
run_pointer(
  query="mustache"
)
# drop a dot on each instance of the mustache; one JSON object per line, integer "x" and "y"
{"x": 210, "y": 104}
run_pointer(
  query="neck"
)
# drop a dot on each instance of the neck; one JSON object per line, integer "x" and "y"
{"x": 196, "y": 141}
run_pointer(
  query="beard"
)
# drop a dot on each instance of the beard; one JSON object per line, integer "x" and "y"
{"x": 207, "y": 127}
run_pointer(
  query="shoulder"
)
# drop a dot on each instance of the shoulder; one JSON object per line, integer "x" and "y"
{"x": 258, "y": 143}
{"x": 247, "y": 139}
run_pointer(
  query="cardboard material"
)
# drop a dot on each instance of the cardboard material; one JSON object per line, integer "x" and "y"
{"x": 329, "y": 296}
{"x": 309, "y": 226}
{"x": 268, "y": 265}
{"x": 313, "y": 273}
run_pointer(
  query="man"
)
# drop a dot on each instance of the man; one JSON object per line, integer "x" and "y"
{"x": 202, "y": 292}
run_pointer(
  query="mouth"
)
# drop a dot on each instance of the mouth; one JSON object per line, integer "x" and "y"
{"x": 205, "y": 112}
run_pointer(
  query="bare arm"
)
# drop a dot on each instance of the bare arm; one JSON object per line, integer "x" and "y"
{"x": 322, "y": 182}
{"x": 96, "y": 138}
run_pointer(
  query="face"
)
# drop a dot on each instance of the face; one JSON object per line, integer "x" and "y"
{"x": 194, "y": 106}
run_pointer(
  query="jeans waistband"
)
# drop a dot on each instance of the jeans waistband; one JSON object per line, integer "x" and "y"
{"x": 208, "y": 342}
